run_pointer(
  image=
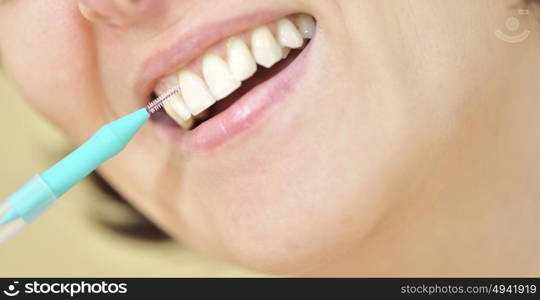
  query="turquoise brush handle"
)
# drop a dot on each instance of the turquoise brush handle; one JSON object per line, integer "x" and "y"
{"x": 107, "y": 142}
{"x": 40, "y": 192}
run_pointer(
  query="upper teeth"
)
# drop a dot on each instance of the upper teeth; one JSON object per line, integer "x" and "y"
{"x": 306, "y": 24}
{"x": 241, "y": 62}
{"x": 219, "y": 78}
{"x": 265, "y": 48}
{"x": 222, "y": 77}
{"x": 288, "y": 35}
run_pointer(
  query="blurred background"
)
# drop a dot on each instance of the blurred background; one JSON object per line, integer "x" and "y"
{"x": 89, "y": 232}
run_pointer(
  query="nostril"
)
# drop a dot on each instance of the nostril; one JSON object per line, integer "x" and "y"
{"x": 90, "y": 14}
{"x": 116, "y": 13}
{"x": 127, "y": 6}
{"x": 122, "y": 13}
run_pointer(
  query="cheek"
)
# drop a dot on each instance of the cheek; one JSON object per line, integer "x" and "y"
{"x": 48, "y": 54}
{"x": 283, "y": 202}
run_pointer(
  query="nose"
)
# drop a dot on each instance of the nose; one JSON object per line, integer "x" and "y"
{"x": 118, "y": 12}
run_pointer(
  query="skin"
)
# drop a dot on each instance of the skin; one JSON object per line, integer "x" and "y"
{"x": 418, "y": 158}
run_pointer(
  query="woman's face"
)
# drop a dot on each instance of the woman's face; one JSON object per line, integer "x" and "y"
{"x": 307, "y": 167}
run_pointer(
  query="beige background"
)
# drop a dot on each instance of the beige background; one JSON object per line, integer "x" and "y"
{"x": 70, "y": 239}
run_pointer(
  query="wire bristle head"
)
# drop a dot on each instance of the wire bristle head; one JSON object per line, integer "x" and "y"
{"x": 158, "y": 103}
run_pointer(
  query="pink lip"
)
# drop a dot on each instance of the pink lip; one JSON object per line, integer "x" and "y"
{"x": 243, "y": 114}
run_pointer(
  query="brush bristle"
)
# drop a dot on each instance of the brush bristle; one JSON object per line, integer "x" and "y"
{"x": 158, "y": 103}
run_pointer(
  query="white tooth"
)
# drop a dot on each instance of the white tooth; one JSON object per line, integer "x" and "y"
{"x": 306, "y": 25}
{"x": 218, "y": 77}
{"x": 288, "y": 35}
{"x": 241, "y": 62}
{"x": 165, "y": 84}
{"x": 176, "y": 108}
{"x": 286, "y": 52}
{"x": 196, "y": 94}
{"x": 188, "y": 124}
{"x": 266, "y": 50}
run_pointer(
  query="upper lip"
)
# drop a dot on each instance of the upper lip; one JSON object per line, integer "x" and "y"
{"x": 181, "y": 44}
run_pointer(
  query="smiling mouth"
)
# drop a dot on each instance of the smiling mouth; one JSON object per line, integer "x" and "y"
{"x": 229, "y": 70}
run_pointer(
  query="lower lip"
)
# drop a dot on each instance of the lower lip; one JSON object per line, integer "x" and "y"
{"x": 242, "y": 115}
